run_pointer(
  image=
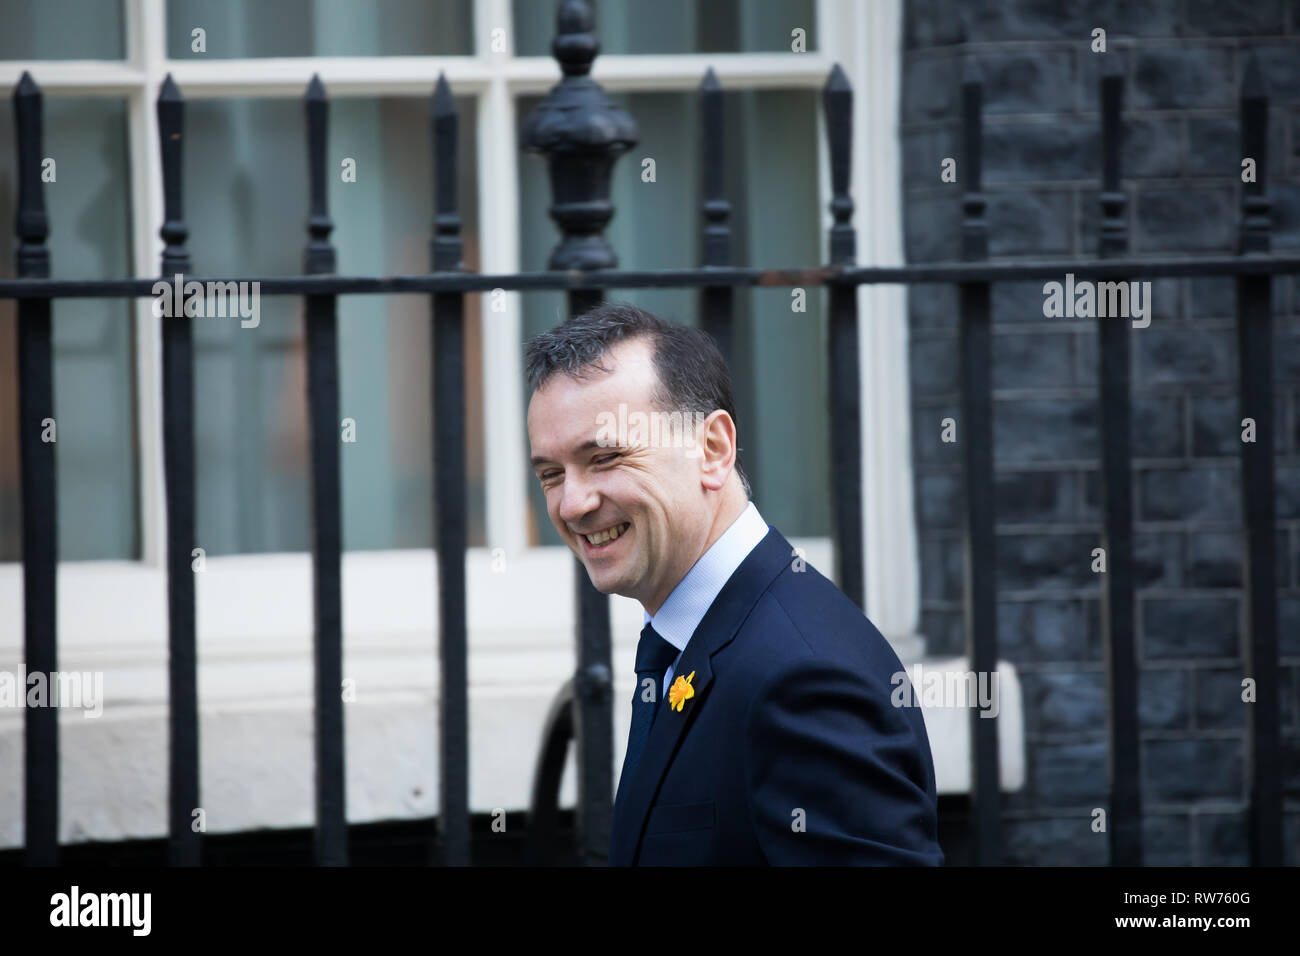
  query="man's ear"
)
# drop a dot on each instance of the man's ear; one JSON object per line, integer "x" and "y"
{"x": 717, "y": 449}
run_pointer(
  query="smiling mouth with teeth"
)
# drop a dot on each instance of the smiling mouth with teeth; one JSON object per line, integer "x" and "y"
{"x": 602, "y": 538}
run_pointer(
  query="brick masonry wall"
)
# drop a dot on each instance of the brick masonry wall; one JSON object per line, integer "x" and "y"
{"x": 1182, "y": 61}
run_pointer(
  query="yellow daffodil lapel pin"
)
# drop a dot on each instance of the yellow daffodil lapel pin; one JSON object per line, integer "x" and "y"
{"x": 681, "y": 692}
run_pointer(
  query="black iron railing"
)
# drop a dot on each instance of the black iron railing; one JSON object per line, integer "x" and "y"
{"x": 581, "y": 152}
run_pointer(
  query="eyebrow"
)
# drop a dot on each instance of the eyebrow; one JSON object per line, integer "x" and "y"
{"x": 584, "y": 447}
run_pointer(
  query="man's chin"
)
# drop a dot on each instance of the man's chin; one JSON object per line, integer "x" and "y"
{"x": 604, "y": 587}
{"x": 606, "y": 584}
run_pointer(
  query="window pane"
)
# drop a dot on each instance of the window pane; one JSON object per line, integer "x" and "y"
{"x": 256, "y": 28}
{"x": 62, "y": 30}
{"x": 675, "y": 26}
{"x": 90, "y": 238}
{"x": 779, "y": 365}
{"x": 246, "y": 202}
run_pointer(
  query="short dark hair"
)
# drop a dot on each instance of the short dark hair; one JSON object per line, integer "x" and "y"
{"x": 693, "y": 375}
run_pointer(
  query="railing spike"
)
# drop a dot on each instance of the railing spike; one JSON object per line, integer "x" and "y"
{"x": 319, "y": 256}
{"x": 169, "y": 90}
{"x": 446, "y": 243}
{"x": 444, "y": 104}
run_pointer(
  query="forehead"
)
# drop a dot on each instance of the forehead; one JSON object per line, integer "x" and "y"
{"x": 566, "y": 408}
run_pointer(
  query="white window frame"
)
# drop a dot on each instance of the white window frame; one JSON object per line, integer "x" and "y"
{"x": 255, "y": 611}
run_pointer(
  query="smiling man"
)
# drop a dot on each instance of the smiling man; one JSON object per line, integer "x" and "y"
{"x": 762, "y": 725}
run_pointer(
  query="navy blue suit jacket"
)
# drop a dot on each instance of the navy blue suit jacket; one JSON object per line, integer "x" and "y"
{"x": 790, "y": 751}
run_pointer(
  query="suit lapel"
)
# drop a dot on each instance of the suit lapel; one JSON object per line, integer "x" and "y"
{"x": 715, "y": 631}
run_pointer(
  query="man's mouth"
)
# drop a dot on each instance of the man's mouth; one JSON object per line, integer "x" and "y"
{"x": 600, "y": 540}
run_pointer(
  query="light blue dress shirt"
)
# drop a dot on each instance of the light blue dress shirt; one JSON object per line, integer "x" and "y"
{"x": 686, "y": 606}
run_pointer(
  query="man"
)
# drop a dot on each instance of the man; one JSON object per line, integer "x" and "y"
{"x": 762, "y": 727}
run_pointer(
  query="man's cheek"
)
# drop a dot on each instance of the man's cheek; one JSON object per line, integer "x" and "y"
{"x": 553, "y": 510}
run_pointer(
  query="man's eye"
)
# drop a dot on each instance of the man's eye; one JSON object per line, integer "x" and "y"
{"x": 547, "y": 475}
{"x": 606, "y": 459}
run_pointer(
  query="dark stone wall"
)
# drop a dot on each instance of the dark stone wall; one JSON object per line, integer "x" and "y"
{"x": 1182, "y": 61}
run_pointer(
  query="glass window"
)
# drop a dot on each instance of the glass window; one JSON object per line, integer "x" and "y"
{"x": 262, "y": 28}
{"x": 246, "y": 202}
{"x": 779, "y": 361}
{"x": 675, "y": 26}
{"x": 88, "y": 204}
{"x": 62, "y": 30}
{"x": 246, "y": 209}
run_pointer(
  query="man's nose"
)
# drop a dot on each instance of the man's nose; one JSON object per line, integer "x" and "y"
{"x": 578, "y": 500}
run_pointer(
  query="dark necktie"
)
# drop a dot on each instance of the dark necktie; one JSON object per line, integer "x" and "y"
{"x": 653, "y": 656}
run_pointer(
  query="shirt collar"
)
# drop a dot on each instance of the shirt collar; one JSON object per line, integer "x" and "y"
{"x": 686, "y": 606}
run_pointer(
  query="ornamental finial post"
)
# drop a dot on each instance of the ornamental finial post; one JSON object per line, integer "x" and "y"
{"x": 581, "y": 133}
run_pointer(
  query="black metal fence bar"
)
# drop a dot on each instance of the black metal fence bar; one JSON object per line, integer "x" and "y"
{"x": 845, "y": 399}
{"x": 448, "y": 366}
{"x": 569, "y": 280}
{"x": 716, "y": 302}
{"x": 1255, "y": 363}
{"x": 184, "y": 847}
{"x": 1118, "y": 643}
{"x": 330, "y": 839}
{"x": 975, "y": 438}
{"x": 36, "y": 444}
